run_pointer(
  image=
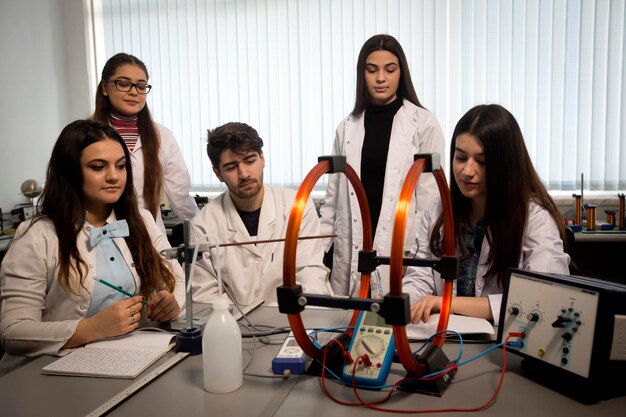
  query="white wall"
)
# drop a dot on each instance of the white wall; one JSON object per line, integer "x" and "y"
{"x": 44, "y": 85}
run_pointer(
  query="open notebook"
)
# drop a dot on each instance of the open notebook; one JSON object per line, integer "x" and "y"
{"x": 118, "y": 357}
{"x": 466, "y": 326}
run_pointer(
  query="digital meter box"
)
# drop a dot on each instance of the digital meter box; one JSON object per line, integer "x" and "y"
{"x": 574, "y": 330}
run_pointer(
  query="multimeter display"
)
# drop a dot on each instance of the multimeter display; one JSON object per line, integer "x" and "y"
{"x": 374, "y": 337}
{"x": 373, "y": 319}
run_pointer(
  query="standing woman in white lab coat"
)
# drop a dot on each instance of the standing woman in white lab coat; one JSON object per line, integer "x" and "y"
{"x": 387, "y": 126}
{"x": 88, "y": 227}
{"x": 158, "y": 164}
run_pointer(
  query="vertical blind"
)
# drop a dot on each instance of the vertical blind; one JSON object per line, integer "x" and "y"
{"x": 287, "y": 68}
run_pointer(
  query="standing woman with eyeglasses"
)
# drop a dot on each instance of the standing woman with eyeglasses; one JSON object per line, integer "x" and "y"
{"x": 387, "y": 126}
{"x": 158, "y": 164}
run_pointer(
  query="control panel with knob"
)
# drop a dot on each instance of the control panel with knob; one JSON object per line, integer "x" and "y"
{"x": 570, "y": 323}
{"x": 554, "y": 323}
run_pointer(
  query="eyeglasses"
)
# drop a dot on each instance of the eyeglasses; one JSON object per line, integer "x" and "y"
{"x": 125, "y": 86}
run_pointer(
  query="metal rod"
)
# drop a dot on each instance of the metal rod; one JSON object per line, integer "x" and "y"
{"x": 205, "y": 246}
{"x": 180, "y": 252}
{"x": 188, "y": 296}
{"x": 582, "y": 187}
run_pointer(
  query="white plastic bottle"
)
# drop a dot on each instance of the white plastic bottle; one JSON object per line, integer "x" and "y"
{"x": 221, "y": 351}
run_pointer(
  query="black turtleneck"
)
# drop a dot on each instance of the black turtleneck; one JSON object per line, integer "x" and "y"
{"x": 378, "y": 123}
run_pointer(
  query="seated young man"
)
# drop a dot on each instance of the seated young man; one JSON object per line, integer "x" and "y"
{"x": 250, "y": 211}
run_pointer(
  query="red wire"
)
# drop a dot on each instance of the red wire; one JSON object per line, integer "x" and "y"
{"x": 356, "y": 393}
{"x": 373, "y": 405}
{"x": 331, "y": 396}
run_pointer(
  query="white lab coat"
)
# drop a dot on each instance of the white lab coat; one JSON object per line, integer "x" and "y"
{"x": 542, "y": 251}
{"x": 38, "y": 315}
{"x": 414, "y": 130}
{"x": 176, "y": 180}
{"x": 254, "y": 271}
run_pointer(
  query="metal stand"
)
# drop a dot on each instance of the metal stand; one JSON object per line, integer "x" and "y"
{"x": 189, "y": 339}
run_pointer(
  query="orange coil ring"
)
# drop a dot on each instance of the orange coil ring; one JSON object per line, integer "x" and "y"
{"x": 397, "y": 251}
{"x": 291, "y": 241}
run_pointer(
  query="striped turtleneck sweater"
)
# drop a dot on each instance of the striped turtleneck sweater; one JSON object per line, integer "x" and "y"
{"x": 127, "y": 128}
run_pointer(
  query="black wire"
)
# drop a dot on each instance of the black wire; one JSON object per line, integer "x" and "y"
{"x": 278, "y": 330}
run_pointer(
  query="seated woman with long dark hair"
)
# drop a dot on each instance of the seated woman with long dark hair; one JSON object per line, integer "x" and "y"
{"x": 89, "y": 228}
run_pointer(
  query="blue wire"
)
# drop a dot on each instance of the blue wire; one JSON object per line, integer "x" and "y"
{"x": 330, "y": 329}
{"x": 457, "y": 360}
{"x": 438, "y": 333}
{"x": 480, "y": 355}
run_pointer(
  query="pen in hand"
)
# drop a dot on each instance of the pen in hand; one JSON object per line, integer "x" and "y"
{"x": 116, "y": 288}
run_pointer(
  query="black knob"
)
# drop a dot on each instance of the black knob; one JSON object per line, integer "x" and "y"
{"x": 560, "y": 321}
{"x": 532, "y": 316}
{"x": 514, "y": 310}
{"x": 566, "y": 350}
{"x": 567, "y": 336}
{"x": 564, "y": 361}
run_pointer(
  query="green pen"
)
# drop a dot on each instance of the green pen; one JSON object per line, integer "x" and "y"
{"x": 116, "y": 288}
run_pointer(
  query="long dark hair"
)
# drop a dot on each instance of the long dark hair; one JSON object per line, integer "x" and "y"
{"x": 511, "y": 183}
{"x": 150, "y": 141}
{"x": 405, "y": 88}
{"x": 62, "y": 201}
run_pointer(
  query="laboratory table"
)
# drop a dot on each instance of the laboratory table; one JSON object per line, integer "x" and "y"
{"x": 179, "y": 391}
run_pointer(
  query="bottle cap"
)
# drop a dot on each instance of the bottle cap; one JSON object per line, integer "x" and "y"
{"x": 220, "y": 304}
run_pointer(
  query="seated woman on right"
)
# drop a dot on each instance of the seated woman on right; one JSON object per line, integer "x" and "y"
{"x": 503, "y": 217}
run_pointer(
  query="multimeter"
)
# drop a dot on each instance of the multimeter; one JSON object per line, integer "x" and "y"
{"x": 374, "y": 337}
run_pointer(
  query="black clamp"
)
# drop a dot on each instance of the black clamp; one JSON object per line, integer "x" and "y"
{"x": 448, "y": 267}
{"x": 368, "y": 261}
{"x": 337, "y": 163}
{"x": 433, "y": 161}
{"x": 288, "y": 298}
{"x": 396, "y": 309}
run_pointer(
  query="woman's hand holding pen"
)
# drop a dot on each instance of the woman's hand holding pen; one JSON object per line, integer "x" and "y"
{"x": 163, "y": 307}
{"x": 118, "y": 318}
{"x": 121, "y": 316}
